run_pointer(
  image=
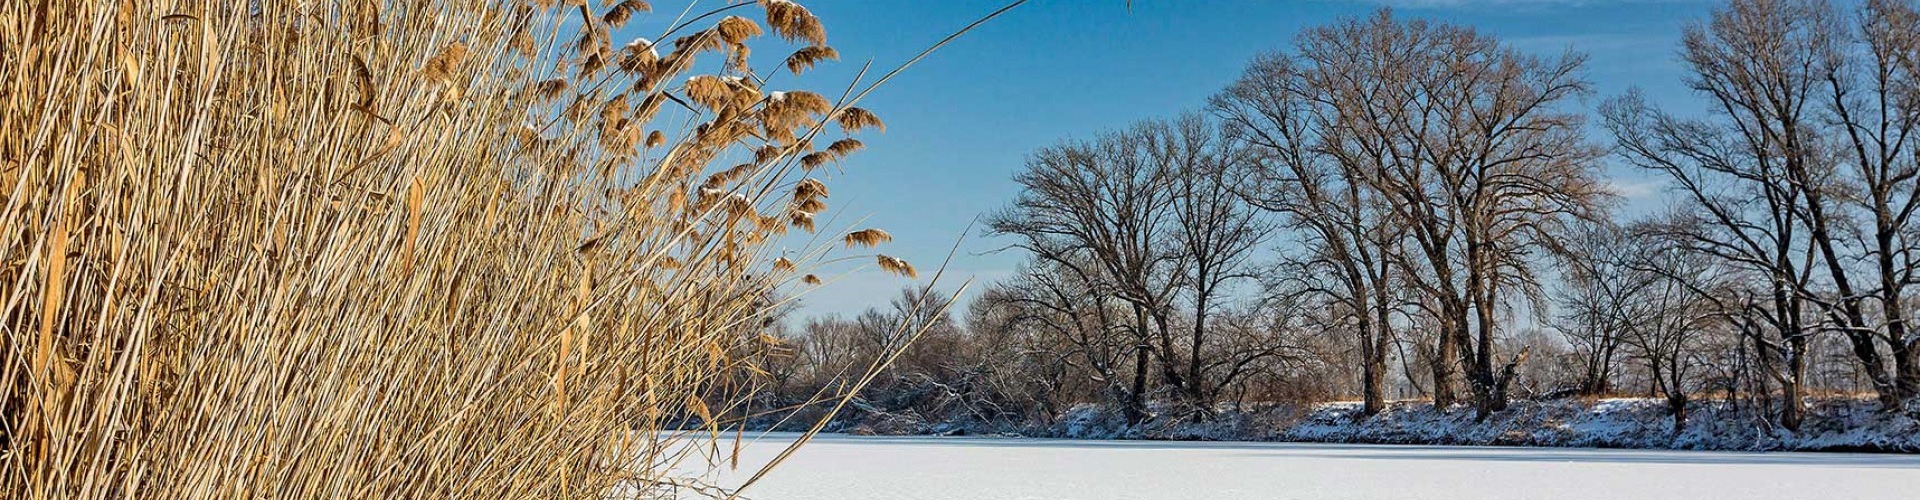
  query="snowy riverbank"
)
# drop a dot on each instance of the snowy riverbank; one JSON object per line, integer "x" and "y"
{"x": 1831, "y": 425}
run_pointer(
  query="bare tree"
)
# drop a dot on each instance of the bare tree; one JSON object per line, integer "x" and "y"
{"x": 1739, "y": 209}
{"x": 1670, "y": 305}
{"x": 1103, "y": 204}
{"x": 1076, "y": 323}
{"x": 1039, "y": 354}
{"x": 1872, "y": 87}
{"x": 1344, "y": 229}
{"x": 1458, "y": 137}
{"x": 1760, "y": 171}
{"x": 1215, "y": 230}
{"x": 1597, "y": 287}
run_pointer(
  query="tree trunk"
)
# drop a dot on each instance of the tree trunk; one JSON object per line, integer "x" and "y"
{"x": 1444, "y": 363}
{"x": 1169, "y": 373}
{"x": 1793, "y": 408}
{"x": 1677, "y": 406}
{"x": 1369, "y": 373}
{"x": 1373, "y": 344}
{"x": 1592, "y": 382}
{"x": 1599, "y": 379}
{"x": 1491, "y": 384}
{"x": 1488, "y": 385}
{"x": 1893, "y": 313}
{"x": 1136, "y": 401}
{"x": 1377, "y": 333}
{"x": 1196, "y": 390}
{"x": 1906, "y": 362}
{"x": 1866, "y": 350}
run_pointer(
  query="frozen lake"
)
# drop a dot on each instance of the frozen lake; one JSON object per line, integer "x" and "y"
{"x": 928, "y": 468}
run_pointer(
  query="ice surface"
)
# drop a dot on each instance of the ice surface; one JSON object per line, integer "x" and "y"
{"x": 937, "y": 468}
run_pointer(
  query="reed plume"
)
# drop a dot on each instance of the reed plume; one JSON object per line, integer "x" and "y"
{"x": 366, "y": 249}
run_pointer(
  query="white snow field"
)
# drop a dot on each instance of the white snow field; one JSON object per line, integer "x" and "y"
{"x": 845, "y": 467}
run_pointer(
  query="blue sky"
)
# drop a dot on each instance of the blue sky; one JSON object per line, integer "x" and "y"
{"x": 960, "y": 123}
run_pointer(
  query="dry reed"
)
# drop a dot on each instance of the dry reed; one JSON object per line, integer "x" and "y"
{"x": 369, "y": 249}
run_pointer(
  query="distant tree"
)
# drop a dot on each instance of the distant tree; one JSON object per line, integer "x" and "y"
{"x": 1597, "y": 286}
{"x": 1025, "y": 360}
{"x": 1074, "y": 325}
{"x": 1672, "y": 300}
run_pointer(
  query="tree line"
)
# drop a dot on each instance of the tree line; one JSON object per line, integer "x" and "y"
{"x": 1396, "y": 208}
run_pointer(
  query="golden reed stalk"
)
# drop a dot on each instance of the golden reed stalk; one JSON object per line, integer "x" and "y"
{"x": 384, "y": 249}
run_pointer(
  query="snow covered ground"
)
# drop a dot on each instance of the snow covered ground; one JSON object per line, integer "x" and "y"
{"x": 845, "y": 467}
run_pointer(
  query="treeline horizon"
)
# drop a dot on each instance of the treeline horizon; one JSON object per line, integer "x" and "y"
{"x": 1395, "y": 207}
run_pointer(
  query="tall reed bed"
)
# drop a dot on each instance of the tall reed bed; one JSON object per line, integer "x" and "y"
{"x": 386, "y": 249}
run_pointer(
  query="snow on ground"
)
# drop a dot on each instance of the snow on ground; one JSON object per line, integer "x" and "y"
{"x": 845, "y": 467}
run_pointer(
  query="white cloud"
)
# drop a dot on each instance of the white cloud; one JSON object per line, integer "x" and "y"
{"x": 1637, "y": 189}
